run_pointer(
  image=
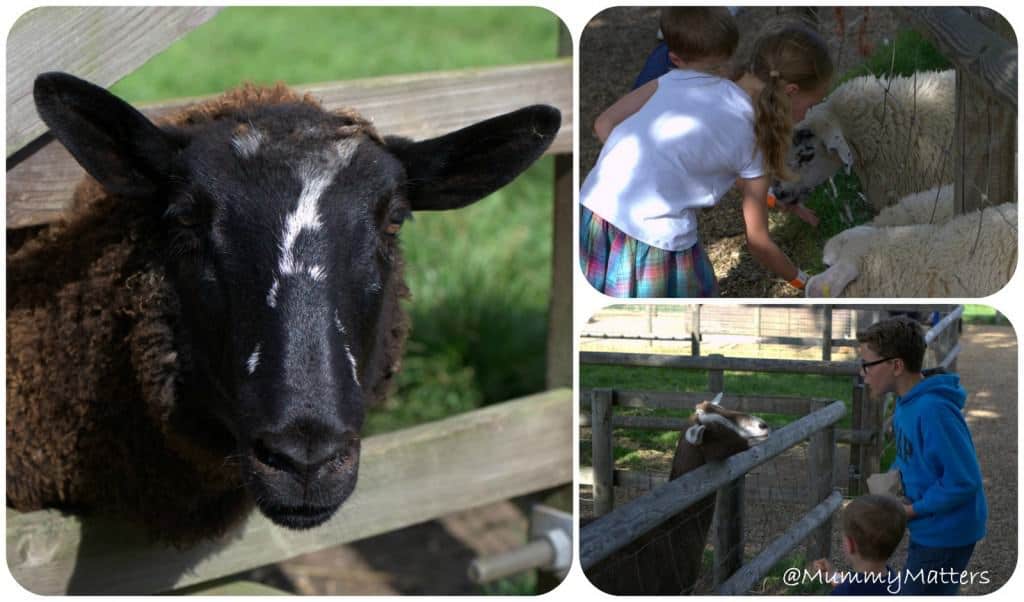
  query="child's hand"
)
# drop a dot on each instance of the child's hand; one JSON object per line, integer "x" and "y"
{"x": 823, "y": 565}
{"x": 797, "y": 209}
{"x": 802, "y": 212}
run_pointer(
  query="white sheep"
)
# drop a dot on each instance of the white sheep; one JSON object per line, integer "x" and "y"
{"x": 896, "y": 134}
{"x": 971, "y": 255}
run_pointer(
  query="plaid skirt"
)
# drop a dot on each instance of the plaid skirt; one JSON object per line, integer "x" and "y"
{"x": 619, "y": 265}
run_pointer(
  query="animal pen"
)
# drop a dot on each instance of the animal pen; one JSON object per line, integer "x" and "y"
{"x": 801, "y": 472}
{"x": 407, "y": 477}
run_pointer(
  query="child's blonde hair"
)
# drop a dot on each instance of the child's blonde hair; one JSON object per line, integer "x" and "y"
{"x": 791, "y": 54}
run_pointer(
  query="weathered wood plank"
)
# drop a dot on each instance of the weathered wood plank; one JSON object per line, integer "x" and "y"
{"x": 686, "y": 400}
{"x": 417, "y": 106}
{"x": 742, "y": 364}
{"x": 101, "y": 44}
{"x": 406, "y": 477}
{"x": 602, "y": 450}
{"x": 973, "y": 48}
{"x": 747, "y": 576}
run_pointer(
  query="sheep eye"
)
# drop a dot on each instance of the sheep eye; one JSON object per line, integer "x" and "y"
{"x": 396, "y": 217}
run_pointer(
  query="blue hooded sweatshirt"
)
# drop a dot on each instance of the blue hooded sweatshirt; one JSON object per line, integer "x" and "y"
{"x": 938, "y": 463}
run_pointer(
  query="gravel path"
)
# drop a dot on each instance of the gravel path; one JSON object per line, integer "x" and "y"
{"x": 988, "y": 368}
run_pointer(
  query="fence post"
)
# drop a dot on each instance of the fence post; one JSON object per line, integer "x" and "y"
{"x": 729, "y": 530}
{"x": 821, "y": 459}
{"x": 603, "y": 459}
{"x": 728, "y": 510}
{"x": 873, "y": 417}
{"x": 826, "y": 334}
{"x": 560, "y": 358}
{"x": 695, "y": 332}
{"x": 716, "y": 378}
{"x": 856, "y": 465}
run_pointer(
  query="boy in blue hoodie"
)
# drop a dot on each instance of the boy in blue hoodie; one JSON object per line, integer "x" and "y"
{"x": 945, "y": 501}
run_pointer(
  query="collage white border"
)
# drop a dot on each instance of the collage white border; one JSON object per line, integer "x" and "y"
{"x": 586, "y": 300}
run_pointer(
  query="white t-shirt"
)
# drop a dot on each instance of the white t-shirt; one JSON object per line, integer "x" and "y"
{"x": 680, "y": 152}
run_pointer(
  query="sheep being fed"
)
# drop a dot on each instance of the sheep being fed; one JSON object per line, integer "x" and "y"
{"x": 204, "y": 333}
{"x": 895, "y": 134}
{"x": 970, "y": 255}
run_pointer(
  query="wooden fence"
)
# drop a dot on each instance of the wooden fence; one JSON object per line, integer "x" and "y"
{"x": 406, "y": 477}
{"x": 620, "y": 526}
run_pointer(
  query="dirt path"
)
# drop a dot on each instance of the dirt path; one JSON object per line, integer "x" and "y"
{"x": 988, "y": 370}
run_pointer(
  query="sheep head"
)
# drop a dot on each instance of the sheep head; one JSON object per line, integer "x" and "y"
{"x": 278, "y": 226}
{"x": 819, "y": 150}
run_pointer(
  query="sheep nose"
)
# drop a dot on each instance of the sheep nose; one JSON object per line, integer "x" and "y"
{"x": 303, "y": 453}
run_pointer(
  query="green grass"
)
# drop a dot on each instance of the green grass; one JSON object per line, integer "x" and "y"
{"x": 300, "y": 45}
{"x": 524, "y": 584}
{"x": 983, "y": 314}
{"x": 480, "y": 276}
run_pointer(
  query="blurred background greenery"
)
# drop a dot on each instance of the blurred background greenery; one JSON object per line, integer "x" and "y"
{"x": 479, "y": 276}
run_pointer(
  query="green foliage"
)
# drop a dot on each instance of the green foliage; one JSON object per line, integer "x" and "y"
{"x": 773, "y": 581}
{"x": 480, "y": 276}
{"x": 983, "y": 314}
{"x": 910, "y": 52}
{"x": 524, "y": 584}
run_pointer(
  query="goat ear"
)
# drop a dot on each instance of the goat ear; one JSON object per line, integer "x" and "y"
{"x": 116, "y": 144}
{"x": 462, "y": 167}
{"x": 695, "y": 434}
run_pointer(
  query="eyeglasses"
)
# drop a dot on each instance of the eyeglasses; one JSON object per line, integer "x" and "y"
{"x": 865, "y": 365}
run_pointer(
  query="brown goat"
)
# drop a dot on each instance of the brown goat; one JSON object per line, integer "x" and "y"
{"x": 668, "y": 558}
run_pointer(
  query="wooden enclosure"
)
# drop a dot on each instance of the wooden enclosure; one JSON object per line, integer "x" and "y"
{"x": 622, "y": 525}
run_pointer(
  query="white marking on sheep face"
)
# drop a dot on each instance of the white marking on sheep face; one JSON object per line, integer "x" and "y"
{"x": 355, "y": 366}
{"x": 316, "y": 175}
{"x": 337, "y": 323}
{"x": 254, "y": 360}
{"x": 272, "y": 294}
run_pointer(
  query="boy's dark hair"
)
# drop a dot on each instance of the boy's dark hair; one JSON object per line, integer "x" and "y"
{"x": 696, "y": 32}
{"x": 900, "y": 337}
{"x": 876, "y": 524}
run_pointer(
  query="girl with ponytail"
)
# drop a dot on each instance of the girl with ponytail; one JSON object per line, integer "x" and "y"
{"x": 676, "y": 145}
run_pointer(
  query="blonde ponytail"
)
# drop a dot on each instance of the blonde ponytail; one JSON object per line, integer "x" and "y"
{"x": 793, "y": 54}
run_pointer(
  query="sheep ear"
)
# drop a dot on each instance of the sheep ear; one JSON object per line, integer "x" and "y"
{"x": 464, "y": 166}
{"x": 835, "y": 142}
{"x": 115, "y": 143}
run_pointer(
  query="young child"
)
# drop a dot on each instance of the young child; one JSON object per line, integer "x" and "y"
{"x": 945, "y": 499}
{"x": 678, "y": 143}
{"x": 873, "y": 526}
